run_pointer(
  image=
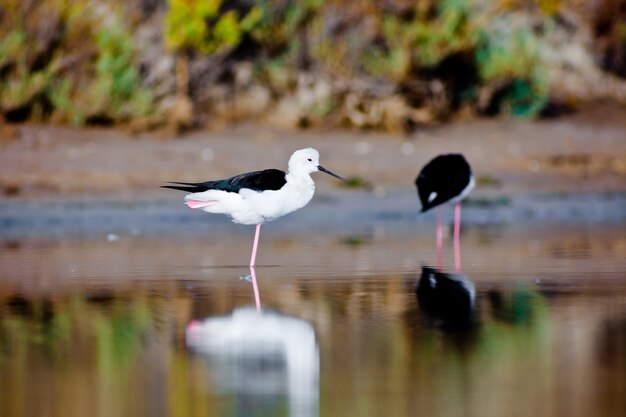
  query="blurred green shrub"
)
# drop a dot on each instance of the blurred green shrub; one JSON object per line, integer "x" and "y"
{"x": 510, "y": 60}
{"x": 202, "y": 25}
{"x": 114, "y": 91}
{"x": 281, "y": 21}
{"x": 506, "y": 61}
{"x": 427, "y": 40}
{"x": 65, "y": 60}
{"x": 74, "y": 60}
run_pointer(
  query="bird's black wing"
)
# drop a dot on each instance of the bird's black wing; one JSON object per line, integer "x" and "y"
{"x": 268, "y": 179}
{"x": 446, "y": 175}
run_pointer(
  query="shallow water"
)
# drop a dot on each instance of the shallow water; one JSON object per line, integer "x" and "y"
{"x": 352, "y": 325}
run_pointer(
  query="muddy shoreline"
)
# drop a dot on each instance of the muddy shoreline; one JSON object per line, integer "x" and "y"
{"x": 59, "y": 181}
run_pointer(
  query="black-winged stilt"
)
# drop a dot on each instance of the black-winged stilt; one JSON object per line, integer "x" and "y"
{"x": 445, "y": 179}
{"x": 260, "y": 196}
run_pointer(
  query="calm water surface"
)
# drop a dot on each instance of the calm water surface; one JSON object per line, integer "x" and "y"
{"x": 351, "y": 325}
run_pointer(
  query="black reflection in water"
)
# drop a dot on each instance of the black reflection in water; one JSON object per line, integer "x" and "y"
{"x": 265, "y": 359}
{"x": 448, "y": 299}
{"x": 41, "y": 311}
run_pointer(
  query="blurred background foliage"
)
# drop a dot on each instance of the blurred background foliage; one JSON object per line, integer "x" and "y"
{"x": 391, "y": 65}
{"x": 68, "y": 61}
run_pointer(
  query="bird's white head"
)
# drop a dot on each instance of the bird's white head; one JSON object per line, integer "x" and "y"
{"x": 306, "y": 161}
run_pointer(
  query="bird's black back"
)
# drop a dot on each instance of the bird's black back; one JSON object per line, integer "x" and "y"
{"x": 447, "y": 175}
{"x": 268, "y": 179}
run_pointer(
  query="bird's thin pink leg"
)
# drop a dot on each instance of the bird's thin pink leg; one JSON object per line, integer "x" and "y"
{"x": 457, "y": 233}
{"x": 255, "y": 246}
{"x": 255, "y": 288}
{"x": 439, "y": 238}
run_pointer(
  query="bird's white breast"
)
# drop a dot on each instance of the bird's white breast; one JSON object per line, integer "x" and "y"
{"x": 293, "y": 196}
{"x": 260, "y": 207}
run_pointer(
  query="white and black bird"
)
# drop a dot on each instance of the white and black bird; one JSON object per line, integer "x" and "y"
{"x": 445, "y": 179}
{"x": 260, "y": 196}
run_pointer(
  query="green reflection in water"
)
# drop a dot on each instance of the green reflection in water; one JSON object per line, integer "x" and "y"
{"x": 124, "y": 354}
{"x": 420, "y": 366}
{"x": 112, "y": 355}
{"x": 119, "y": 332}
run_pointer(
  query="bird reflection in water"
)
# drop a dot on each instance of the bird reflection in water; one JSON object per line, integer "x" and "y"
{"x": 261, "y": 358}
{"x": 448, "y": 299}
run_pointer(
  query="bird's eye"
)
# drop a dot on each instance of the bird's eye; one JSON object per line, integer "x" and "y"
{"x": 309, "y": 159}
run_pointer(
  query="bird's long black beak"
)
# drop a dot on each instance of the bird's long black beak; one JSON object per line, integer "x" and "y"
{"x": 321, "y": 168}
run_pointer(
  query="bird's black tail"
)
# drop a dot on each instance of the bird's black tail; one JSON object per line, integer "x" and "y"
{"x": 190, "y": 187}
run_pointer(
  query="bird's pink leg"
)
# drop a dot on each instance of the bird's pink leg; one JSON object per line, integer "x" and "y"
{"x": 255, "y": 288}
{"x": 439, "y": 238}
{"x": 457, "y": 240}
{"x": 255, "y": 246}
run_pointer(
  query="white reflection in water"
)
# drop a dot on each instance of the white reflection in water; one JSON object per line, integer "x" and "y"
{"x": 261, "y": 356}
